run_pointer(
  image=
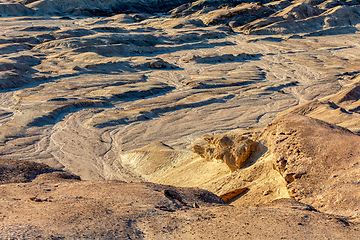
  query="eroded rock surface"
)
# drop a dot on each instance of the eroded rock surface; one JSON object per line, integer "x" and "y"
{"x": 341, "y": 108}
{"x": 318, "y": 165}
{"x": 113, "y": 91}
{"x": 80, "y": 92}
{"x": 319, "y": 162}
{"x": 235, "y": 151}
{"x": 55, "y": 207}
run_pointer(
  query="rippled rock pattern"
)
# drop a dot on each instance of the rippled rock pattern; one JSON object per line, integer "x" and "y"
{"x": 124, "y": 91}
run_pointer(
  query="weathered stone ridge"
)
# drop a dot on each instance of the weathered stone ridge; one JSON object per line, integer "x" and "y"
{"x": 235, "y": 151}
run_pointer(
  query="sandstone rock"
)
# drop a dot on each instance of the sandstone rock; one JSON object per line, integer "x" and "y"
{"x": 158, "y": 64}
{"x": 229, "y": 196}
{"x": 235, "y": 151}
{"x": 113, "y": 209}
{"x": 173, "y": 195}
{"x": 94, "y": 96}
{"x": 293, "y": 12}
{"x": 15, "y": 171}
{"x": 334, "y": 18}
{"x": 341, "y": 108}
{"x": 308, "y": 152}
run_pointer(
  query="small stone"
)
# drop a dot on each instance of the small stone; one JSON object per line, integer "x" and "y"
{"x": 195, "y": 205}
{"x": 267, "y": 192}
{"x": 173, "y": 195}
{"x": 165, "y": 208}
{"x": 35, "y": 199}
{"x": 158, "y": 64}
{"x": 229, "y": 196}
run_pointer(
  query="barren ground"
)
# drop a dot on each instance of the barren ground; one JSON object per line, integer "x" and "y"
{"x": 258, "y": 103}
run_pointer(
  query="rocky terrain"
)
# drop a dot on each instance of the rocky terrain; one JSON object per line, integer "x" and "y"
{"x": 179, "y": 119}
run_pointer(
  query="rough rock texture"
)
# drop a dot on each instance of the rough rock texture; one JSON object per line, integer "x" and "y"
{"x": 342, "y": 108}
{"x": 153, "y": 159}
{"x": 331, "y": 21}
{"x": 110, "y": 90}
{"x": 319, "y": 161}
{"x": 15, "y": 171}
{"x": 318, "y": 165}
{"x": 235, "y": 151}
{"x": 49, "y": 208}
{"x": 229, "y": 196}
{"x": 88, "y": 8}
{"x": 276, "y": 17}
{"x": 81, "y": 92}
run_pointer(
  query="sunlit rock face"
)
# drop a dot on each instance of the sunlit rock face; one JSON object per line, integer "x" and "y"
{"x": 234, "y": 151}
{"x": 255, "y": 102}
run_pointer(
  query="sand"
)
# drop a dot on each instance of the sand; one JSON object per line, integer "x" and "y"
{"x": 122, "y": 91}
